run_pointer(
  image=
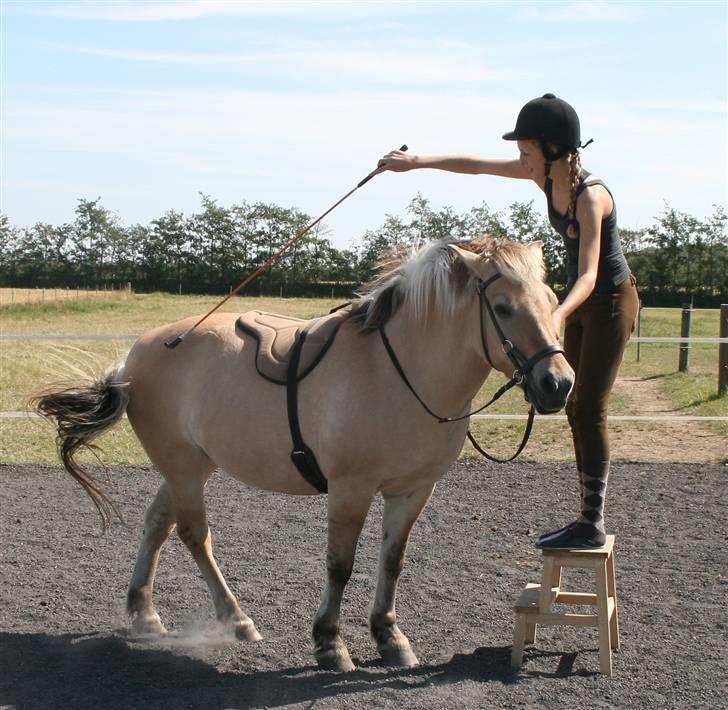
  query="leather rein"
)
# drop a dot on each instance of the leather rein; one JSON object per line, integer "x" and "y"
{"x": 523, "y": 366}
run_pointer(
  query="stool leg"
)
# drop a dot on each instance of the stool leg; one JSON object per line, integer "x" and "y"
{"x": 547, "y": 577}
{"x": 605, "y": 646}
{"x": 612, "y": 587}
{"x": 519, "y": 637}
{"x": 556, "y": 576}
{"x": 531, "y": 633}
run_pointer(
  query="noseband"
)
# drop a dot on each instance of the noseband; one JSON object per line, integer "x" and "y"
{"x": 523, "y": 367}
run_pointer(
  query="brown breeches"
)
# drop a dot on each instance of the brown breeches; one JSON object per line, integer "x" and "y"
{"x": 595, "y": 336}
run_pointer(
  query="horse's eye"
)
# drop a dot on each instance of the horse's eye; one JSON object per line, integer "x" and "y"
{"x": 504, "y": 311}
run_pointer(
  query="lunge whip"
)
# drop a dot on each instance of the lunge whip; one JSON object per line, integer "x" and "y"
{"x": 174, "y": 343}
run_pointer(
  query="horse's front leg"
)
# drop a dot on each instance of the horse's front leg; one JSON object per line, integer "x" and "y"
{"x": 400, "y": 514}
{"x": 347, "y": 510}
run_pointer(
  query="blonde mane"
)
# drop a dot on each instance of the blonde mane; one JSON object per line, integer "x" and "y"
{"x": 432, "y": 278}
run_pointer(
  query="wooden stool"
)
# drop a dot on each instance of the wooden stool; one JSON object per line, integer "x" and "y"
{"x": 535, "y": 604}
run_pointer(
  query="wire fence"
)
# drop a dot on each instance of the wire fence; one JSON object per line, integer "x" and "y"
{"x": 28, "y": 296}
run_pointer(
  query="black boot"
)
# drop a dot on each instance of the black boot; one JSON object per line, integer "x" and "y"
{"x": 588, "y": 531}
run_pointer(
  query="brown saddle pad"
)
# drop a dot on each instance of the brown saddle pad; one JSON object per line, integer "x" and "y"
{"x": 276, "y": 336}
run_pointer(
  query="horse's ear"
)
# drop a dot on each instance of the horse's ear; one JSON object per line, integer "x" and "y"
{"x": 537, "y": 244}
{"x": 474, "y": 262}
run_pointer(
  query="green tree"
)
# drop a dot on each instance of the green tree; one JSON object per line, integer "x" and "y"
{"x": 97, "y": 237}
{"x": 8, "y": 250}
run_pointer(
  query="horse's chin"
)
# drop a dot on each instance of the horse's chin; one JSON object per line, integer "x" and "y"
{"x": 543, "y": 407}
{"x": 546, "y": 410}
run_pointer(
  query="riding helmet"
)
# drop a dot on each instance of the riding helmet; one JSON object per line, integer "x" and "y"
{"x": 553, "y": 122}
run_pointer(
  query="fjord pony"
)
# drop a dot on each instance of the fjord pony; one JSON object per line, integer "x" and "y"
{"x": 204, "y": 406}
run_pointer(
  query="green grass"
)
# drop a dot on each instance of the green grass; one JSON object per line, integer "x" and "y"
{"x": 140, "y": 312}
{"x": 27, "y": 366}
{"x": 33, "y": 441}
{"x": 45, "y": 312}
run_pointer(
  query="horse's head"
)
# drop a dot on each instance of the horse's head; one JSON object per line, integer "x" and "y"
{"x": 516, "y": 306}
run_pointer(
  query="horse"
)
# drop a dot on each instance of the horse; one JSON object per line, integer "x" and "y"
{"x": 420, "y": 338}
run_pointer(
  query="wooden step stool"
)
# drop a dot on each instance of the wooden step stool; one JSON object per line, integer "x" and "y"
{"x": 534, "y": 606}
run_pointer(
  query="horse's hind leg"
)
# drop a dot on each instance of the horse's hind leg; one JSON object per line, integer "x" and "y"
{"x": 193, "y": 530}
{"x": 347, "y": 511}
{"x": 400, "y": 514}
{"x": 158, "y": 524}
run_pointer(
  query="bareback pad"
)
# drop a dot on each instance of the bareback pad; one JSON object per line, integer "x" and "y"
{"x": 276, "y": 336}
{"x": 288, "y": 349}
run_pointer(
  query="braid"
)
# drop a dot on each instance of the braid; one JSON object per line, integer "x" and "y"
{"x": 574, "y": 175}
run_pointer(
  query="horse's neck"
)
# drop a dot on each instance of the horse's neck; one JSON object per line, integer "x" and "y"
{"x": 442, "y": 357}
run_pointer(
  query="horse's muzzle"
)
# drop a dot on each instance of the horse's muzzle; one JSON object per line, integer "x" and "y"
{"x": 548, "y": 391}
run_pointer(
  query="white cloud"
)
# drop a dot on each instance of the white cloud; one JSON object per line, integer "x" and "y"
{"x": 143, "y": 11}
{"x": 579, "y": 11}
{"x": 451, "y": 63}
{"x": 680, "y": 105}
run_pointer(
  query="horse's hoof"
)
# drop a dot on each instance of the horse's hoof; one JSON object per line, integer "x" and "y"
{"x": 335, "y": 659}
{"x": 246, "y": 632}
{"x": 398, "y": 657}
{"x": 149, "y": 625}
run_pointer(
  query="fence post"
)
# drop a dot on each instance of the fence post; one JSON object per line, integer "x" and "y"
{"x": 639, "y": 328}
{"x": 723, "y": 351}
{"x": 687, "y": 313}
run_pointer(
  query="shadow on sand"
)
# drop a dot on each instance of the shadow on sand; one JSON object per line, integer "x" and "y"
{"x": 94, "y": 671}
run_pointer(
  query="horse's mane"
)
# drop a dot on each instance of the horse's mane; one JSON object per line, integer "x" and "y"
{"x": 432, "y": 278}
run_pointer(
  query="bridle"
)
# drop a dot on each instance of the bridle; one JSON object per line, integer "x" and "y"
{"x": 523, "y": 366}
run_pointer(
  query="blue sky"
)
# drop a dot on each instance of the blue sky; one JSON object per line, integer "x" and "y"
{"x": 146, "y": 104}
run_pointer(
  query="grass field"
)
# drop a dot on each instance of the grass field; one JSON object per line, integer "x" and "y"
{"x": 27, "y": 365}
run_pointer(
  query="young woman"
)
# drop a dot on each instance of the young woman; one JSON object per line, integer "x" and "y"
{"x": 600, "y": 302}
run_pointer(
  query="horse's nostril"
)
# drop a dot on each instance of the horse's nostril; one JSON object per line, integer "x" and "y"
{"x": 549, "y": 383}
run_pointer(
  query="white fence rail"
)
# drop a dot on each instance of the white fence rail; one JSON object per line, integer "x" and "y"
{"x": 512, "y": 417}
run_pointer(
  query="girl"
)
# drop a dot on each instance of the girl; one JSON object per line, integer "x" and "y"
{"x": 601, "y": 301}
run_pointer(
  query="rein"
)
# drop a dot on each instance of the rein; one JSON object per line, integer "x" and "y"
{"x": 523, "y": 366}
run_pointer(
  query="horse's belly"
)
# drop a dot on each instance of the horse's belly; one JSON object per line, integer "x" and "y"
{"x": 251, "y": 441}
{"x": 268, "y": 468}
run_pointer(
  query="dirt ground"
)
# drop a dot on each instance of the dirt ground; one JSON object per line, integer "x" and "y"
{"x": 673, "y": 441}
{"x": 63, "y": 640}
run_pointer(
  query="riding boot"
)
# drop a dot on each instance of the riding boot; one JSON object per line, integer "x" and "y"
{"x": 588, "y": 531}
{"x": 593, "y": 496}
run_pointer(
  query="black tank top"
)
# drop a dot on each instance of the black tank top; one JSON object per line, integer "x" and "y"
{"x": 612, "y": 269}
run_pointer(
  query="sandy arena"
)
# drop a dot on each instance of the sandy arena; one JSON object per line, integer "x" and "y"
{"x": 63, "y": 641}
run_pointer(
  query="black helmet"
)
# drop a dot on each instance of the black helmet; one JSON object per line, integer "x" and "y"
{"x": 549, "y": 120}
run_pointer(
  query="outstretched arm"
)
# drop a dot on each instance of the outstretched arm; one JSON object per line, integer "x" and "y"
{"x": 399, "y": 162}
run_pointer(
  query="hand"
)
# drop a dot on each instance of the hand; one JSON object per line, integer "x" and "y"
{"x": 557, "y": 320}
{"x": 397, "y": 161}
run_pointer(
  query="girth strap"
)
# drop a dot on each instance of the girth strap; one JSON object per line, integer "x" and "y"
{"x": 302, "y": 456}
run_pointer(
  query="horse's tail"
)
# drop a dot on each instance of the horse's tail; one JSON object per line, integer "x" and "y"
{"x": 81, "y": 413}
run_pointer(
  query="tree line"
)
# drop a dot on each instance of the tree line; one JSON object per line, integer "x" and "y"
{"x": 677, "y": 258}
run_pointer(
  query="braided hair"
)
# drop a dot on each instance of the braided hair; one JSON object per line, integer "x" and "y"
{"x": 574, "y": 179}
